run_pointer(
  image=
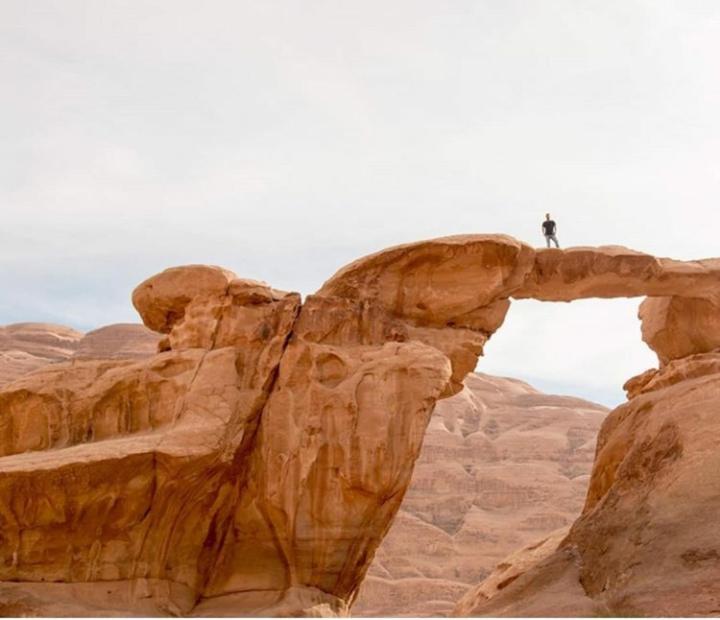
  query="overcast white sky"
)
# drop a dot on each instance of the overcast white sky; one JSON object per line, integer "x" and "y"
{"x": 283, "y": 139}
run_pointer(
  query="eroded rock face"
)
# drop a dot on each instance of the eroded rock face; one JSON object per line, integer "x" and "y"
{"x": 646, "y": 542}
{"x": 255, "y": 463}
{"x": 450, "y": 293}
{"x": 511, "y": 568}
{"x": 251, "y": 524}
{"x": 461, "y": 280}
{"x": 145, "y": 461}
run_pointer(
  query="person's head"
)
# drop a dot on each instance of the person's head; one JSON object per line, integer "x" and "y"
{"x": 547, "y": 216}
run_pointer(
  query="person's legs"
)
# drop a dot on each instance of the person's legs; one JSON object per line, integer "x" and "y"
{"x": 547, "y": 240}
{"x": 555, "y": 241}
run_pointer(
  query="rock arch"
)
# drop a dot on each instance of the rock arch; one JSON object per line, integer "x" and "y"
{"x": 264, "y": 451}
{"x": 468, "y": 282}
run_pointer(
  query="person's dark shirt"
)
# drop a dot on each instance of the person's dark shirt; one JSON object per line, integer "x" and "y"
{"x": 549, "y": 227}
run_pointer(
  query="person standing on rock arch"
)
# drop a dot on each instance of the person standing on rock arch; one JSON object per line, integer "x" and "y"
{"x": 549, "y": 228}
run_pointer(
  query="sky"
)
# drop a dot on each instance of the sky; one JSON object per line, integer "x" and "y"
{"x": 283, "y": 139}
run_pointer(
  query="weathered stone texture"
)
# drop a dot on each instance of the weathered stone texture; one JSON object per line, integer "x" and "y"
{"x": 255, "y": 462}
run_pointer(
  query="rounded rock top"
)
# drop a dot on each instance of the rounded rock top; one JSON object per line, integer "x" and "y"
{"x": 161, "y": 299}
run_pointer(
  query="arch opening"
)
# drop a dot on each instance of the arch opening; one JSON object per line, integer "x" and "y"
{"x": 587, "y": 348}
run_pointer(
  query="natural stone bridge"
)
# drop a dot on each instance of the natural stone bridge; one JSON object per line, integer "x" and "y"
{"x": 254, "y": 464}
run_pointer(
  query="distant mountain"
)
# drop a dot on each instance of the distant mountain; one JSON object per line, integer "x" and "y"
{"x": 25, "y": 347}
{"x": 502, "y": 465}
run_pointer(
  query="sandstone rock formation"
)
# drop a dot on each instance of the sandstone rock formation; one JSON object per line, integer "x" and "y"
{"x": 426, "y": 580}
{"x": 646, "y": 542}
{"x": 675, "y": 327}
{"x": 511, "y": 568}
{"x": 172, "y": 491}
{"x": 257, "y": 461}
{"x": 501, "y": 466}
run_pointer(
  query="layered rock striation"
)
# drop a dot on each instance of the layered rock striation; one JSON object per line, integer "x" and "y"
{"x": 254, "y": 464}
{"x": 25, "y": 347}
{"x": 501, "y": 466}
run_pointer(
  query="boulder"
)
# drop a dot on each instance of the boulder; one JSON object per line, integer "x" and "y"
{"x": 675, "y": 327}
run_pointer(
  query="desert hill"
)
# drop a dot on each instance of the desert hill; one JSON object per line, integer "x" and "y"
{"x": 25, "y": 347}
{"x": 502, "y": 465}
